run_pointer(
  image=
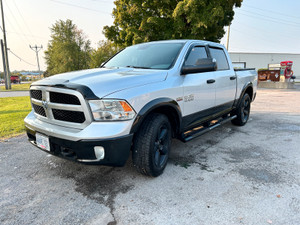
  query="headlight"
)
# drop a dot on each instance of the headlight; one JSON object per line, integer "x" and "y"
{"x": 111, "y": 110}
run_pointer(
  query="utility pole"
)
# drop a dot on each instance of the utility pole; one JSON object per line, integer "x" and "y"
{"x": 5, "y": 59}
{"x": 37, "y": 49}
{"x": 228, "y": 34}
{"x": 4, "y": 66}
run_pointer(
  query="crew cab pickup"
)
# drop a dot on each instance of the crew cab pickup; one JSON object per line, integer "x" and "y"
{"x": 137, "y": 102}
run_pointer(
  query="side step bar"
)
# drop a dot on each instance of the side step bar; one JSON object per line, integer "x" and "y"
{"x": 198, "y": 131}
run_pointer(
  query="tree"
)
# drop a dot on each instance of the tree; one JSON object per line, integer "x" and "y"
{"x": 137, "y": 21}
{"x": 68, "y": 49}
{"x": 104, "y": 52}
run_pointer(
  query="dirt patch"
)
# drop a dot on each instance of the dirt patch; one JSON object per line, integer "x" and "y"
{"x": 260, "y": 175}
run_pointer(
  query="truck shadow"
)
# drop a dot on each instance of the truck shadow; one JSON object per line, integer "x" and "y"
{"x": 196, "y": 152}
{"x": 97, "y": 182}
{"x": 103, "y": 184}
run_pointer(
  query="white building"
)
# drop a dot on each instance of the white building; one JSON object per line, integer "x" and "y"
{"x": 261, "y": 60}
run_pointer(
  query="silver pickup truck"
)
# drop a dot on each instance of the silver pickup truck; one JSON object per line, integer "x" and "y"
{"x": 137, "y": 102}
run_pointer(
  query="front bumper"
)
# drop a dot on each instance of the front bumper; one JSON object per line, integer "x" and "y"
{"x": 116, "y": 150}
{"x": 94, "y": 131}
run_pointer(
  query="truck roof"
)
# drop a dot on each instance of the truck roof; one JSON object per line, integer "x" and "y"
{"x": 187, "y": 41}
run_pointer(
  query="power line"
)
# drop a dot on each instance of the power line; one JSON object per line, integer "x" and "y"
{"x": 247, "y": 33}
{"x": 81, "y": 7}
{"x": 22, "y": 18}
{"x": 281, "y": 34}
{"x": 20, "y": 58}
{"x": 258, "y": 37}
{"x": 34, "y": 36}
{"x": 268, "y": 43}
{"x": 13, "y": 27}
{"x": 20, "y": 27}
{"x": 273, "y": 18}
{"x": 266, "y": 10}
{"x": 265, "y": 19}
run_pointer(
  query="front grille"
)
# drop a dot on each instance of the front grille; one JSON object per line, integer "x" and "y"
{"x": 36, "y": 94}
{"x": 60, "y": 106}
{"x": 39, "y": 110}
{"x": 70, "y": 116}
{"x": 62, "y": 98}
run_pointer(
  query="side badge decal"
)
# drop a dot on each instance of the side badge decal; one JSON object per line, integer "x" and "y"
{"x": 189, "y": 98}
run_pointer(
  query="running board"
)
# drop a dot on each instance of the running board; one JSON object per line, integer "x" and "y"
{"x": 198, "y": 131}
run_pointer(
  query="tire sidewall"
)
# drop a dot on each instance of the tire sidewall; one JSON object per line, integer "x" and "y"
{"x": 245, "y": 97}
{"x": 144, "y": 146}
{"x": 157, "y": 170}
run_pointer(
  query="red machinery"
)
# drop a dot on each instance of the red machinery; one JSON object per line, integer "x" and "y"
{"x": 286, "y": 69}
{"x": 15, "y": 79}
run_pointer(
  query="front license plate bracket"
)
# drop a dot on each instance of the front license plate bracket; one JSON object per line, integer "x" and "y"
{"x": 42, "y": 141}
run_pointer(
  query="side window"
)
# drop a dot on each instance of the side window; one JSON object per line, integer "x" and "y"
{"x": 196, "y": 54}
{"x": 221, "y": 58}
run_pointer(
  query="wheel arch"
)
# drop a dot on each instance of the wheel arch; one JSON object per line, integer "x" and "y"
{"x": 249, "y": 91}
{"x": 248, "y": 88}
{"x": 166, "y": 106}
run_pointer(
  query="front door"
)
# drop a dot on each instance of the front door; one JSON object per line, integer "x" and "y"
{"x": 199, "y": 89}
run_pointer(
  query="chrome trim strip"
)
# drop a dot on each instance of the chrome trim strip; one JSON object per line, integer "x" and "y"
{"x": 36, "y": 102}
{"x": 89, "y": 160}
{"x": 65, "y": 107}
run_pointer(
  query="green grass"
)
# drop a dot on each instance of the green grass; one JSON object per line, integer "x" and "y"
{"x": 17, "y": 87}
{"x": 12, "y": 113}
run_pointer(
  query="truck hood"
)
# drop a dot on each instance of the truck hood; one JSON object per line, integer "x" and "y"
{"x": 104, "y": 81}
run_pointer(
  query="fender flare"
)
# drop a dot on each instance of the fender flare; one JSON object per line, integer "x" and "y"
{"x": 246, "y": 86}
{"x": 152, "y": 106}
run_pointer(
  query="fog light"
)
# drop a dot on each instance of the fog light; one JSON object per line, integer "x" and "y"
{"x": 99, "y": 152}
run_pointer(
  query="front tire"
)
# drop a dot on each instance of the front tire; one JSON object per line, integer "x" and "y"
{"x": 151, "y": 145}
{"x": 243, "y": 111}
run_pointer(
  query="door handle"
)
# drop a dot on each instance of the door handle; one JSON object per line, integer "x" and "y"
{"x": 233, "y": 78}
{"x": 210, "y": 81}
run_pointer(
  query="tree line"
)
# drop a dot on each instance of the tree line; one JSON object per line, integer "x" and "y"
{"x": 69, "y": 50}
{"x": 137, "y": 21}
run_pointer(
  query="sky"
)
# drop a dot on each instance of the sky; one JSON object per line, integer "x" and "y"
{"x": 269, "y": 26}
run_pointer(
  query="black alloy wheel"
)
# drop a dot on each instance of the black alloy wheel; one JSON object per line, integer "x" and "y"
{"x": 161, "y": 146}
{"x": 243, "y": 111}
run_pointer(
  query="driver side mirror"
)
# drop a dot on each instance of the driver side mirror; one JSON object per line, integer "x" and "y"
{"x": 202, "y": 65}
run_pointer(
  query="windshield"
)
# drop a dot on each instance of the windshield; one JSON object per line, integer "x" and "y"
{"x": 147, "y": 56}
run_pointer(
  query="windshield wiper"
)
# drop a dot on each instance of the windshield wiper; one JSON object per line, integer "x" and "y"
{"x": 139, "y": 67}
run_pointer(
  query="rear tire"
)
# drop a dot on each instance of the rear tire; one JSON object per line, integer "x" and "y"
{"x": 151, "y": 145}
{"x": 243, "y": 111}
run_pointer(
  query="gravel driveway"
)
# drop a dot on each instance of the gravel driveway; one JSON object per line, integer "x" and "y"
{"x": 232, "y": 175}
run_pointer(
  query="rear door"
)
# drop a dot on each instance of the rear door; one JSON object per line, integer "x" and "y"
{"x": 225, "y": 79}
